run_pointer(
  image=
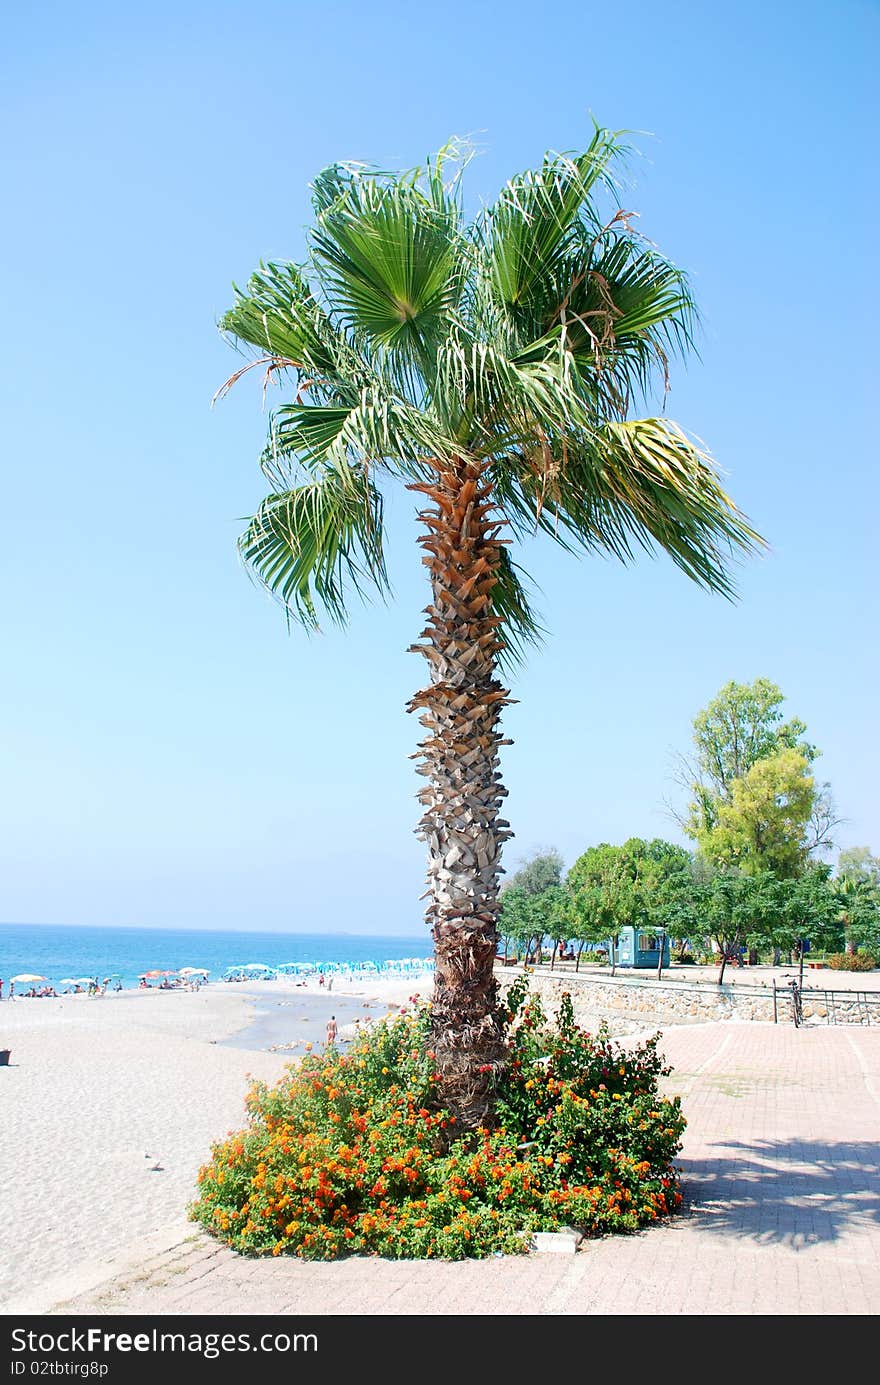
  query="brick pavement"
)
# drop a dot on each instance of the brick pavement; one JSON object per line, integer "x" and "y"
{"x": 781, "y": 1173}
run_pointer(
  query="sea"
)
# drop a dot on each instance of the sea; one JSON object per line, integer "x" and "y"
{"x": 63, "y": 953}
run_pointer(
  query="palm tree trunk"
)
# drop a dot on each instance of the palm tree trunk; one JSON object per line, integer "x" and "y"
{"x": 460, "y": 710}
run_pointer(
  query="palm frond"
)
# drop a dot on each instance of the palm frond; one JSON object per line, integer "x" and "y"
{"x": 669, "y": 488}
{"x": 521, "y": 626}
{"x": 636, "y": 484}
{"x": 521, "y": 342}
{"x": 373, "y": 430}
{"x": 310, "y": 545}
{"x": 529, "y": 228}
{"x": 278, "y": 315}
{"x": 390, "y": 256}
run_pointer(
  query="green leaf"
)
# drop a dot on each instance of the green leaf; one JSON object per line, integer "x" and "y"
{"x": 392, "y": 260}
{"x": 278, "y": 315}
{"x": 533, "y": 221}
{"x": 307, "y": 546}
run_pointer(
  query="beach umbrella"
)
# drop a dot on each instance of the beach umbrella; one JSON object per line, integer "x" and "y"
{"x": 27, "y": 976}
{"x": 193, "y": 971}
{"x": 155, "y": 972}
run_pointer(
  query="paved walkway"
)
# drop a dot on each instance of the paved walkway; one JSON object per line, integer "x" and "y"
{"x": 781, "y": 1174}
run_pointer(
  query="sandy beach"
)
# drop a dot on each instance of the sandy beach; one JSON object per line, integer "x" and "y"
{"x": 110, "y": 1104}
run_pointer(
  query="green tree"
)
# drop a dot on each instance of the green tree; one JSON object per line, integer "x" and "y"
{"x": 857, "y": 895}
{"x": 539, "y": 871}
{"x": 515, "y": 918}
{"x": 532, "y": 887}
{"x": 529, "y": 916}
{"x": 858, "y": 863}
{"x": 763, "y": 824}
{"x": 857, "y": 902}
{"x": 616, "y": 886}
{"x": 556, "y": 915}
{"x": 740, "y": 727}
{"x": 789, "y": 912}
{"x": 714, "y": 905}
{"x": 497, "y": 369}
{"x": 596, "y": 913}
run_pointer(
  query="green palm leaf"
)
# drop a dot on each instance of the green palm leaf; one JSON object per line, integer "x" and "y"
{"x": 391, "y": 260}
{"x": 309, "y": 545}
{"x": 278, "y": 315}
{"x": 520, "y": 341}
{"x": 531, "y": 225}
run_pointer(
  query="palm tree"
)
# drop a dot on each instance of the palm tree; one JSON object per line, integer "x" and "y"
{"x": 856, "y": 900}
{"x": 490, "y": 366}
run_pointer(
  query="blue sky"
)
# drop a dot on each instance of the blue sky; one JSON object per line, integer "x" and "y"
{"x": 170, "y": 755}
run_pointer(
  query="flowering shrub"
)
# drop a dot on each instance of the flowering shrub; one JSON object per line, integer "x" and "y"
{"x": 851, "y": 961}
{"x": 348, "y": 1154}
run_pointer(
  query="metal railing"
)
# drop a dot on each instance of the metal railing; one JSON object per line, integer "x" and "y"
{"x": 835, "y": 1006}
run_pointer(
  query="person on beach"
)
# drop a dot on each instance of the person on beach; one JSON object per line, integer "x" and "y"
{"x": 1, "y": 987}
{"x": 332, "y": 1031}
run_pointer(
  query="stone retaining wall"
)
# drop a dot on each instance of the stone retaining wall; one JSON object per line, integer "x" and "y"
{"x": 631, "y": 1002}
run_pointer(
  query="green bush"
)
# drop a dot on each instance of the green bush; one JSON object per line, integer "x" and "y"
{"x": 347, "y": 1153}
{"x": 851, "y": 961}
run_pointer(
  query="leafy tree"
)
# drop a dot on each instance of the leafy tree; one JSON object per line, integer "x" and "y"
{"x": 858, "y": 863}
{"x": 762, "y": 825}
{"x": 760, "y": 909}
{"x": 857, "y": 895}
{"x": 530, "y": 916}
{"x": 539, "y": 871}
{"x": 717, "y": 905}
{"x": 602, "y": 884}
{"x": 616, "y": 886}
{"x": 557, "y": 914}
{"x": 789, "y": 912}
{"x": 496, "y": 369}
{"x": 857, "y": 901}
{"x": 515, "y": 917}
{"x": 596, "y": 913}
{"x": 740, "y": 727}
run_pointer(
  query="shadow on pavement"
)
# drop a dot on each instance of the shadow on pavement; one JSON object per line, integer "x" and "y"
{"x": 793, "y": 1192}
